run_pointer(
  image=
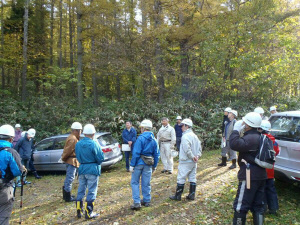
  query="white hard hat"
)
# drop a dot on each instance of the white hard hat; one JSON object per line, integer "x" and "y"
{"x": 228, "y": 109}
{"x": 89, "y": 129}
{"x": 252, "y": 119}
{"x": 188, "y": 122}
{"x": 17, "y": 125}
{"x": 178, "y": 118}
{"x": 31, "y": 132}
{"x": 234, "y": 112}
{"x": 7, "y": 130}
{"x": 265, "y": 125}
{"x": 272, "y": 108}
{"x": 23, "y": 133}
{"x": 146, "y": 123}
{"x": 76, "y": 126}
{"x": 259, "y": 110}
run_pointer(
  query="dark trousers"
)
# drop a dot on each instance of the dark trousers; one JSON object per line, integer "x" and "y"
{"x": 127, "y": 155}
{"x": 178, "y": 142}
{"x": 250, "y": 199}
{"x": 271, "y": 195}
{"x": 31, "y": 166}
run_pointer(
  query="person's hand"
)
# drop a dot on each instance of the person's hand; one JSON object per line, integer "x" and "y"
{"x": 129, "y": 143}
{"x": 195, "y": 159}
{"x": 224, "y": 139}
{"x": 131, "y": 169}
{"x": 24, "y": 168}
{"x": 239, "y": 125}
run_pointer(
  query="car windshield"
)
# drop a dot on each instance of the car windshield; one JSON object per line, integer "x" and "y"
{"x": 286, "y": 128}
{"x": 106, "y": 139}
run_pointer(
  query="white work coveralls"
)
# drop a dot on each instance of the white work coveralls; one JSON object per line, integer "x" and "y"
{"x": 189, "y": 148}
{"x": 166, "y": 138}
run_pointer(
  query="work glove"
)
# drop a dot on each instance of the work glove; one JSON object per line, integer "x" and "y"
{"x": 239, "y": 126}
{"x": 131, "y": 169}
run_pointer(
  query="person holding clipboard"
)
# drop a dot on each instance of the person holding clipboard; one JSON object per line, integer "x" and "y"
{"x": 129, "y": 138}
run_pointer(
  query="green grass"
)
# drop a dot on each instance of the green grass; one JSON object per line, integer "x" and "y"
{"x": 216, "y": 190}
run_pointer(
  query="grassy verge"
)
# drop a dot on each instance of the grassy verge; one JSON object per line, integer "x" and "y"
{"x": 216, "y": 190}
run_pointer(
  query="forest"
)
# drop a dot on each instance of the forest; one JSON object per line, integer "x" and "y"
{"x": 105, "y": 61}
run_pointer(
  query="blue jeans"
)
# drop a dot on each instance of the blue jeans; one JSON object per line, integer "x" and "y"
{"x": 178, "y": 142}
{"x": 271, "y": 195}
{"x": 70, "y": 176}
{"x": 127, "y": 154}
{"x": 144, "y": 172}
{"x": 87, "y": 181}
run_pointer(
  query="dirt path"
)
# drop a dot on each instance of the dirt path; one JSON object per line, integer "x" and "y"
{"x": 43, "y": 201}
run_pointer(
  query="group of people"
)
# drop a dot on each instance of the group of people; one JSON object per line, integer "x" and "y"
{"x": 86, "y": 156}
{"x": 258, "y": 194}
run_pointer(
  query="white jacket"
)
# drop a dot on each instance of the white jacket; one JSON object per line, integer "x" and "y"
{"x": 167, "y": 133}
{"x": 190, "y": 146}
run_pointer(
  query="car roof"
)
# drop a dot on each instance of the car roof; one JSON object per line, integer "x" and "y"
{"x": 287, "y": 113}
{"x": 98, "y": 134}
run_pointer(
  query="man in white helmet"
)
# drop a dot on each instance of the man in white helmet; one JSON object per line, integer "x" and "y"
{"x": 248, "y": 198}
{"x": 18, "y": 133}
{"x": 166, "y": 138}
{"x": 261, "y": 112}
{"x": 188, "y": 157}
{"x": 10, "y": 167}
{"x": 90, "y": 156}
{"x": 273, "y": 109}
{"x": 232, "y": 115}
{"x": 69, "y": 157}
{"x": 145, "y": 156}
{"x": 178, "y": 132}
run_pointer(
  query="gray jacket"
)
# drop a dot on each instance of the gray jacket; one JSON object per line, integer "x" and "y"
{"x": 190, "y": 147}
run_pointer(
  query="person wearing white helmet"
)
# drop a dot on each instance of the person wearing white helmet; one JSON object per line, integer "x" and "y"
{"x": 225, "y": 117}
{"x": 248, "y": 198}
{"x": 31, "y": 165}
{"x": 90, "y": 156}
{"x": 261, "y": 112}
{"x": 18, "y": 133}
{"x": 271, "y": 199}
{"x": 232, "y": 115}
{"x": 188, "y": 157}
{"x": 10, "y": 167}
{"x": 69, "y": 158}
{"x": 166, "y": 138}
{"x": 24, "y": 148}
{"x": 273, "y": 109}
{"x": 145, "y": 156}
{"x": 178, "y": 132}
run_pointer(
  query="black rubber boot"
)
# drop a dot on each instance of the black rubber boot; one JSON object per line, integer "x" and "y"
{"x": 223, "y": 163}
{"x": 36, "y": 175}
{"x": 79, "y": 208}
{"x": 233, "y": 166}
{"x": 68, "y": 197}
{"x": 239, "y": 219}
{"x": 64, "y": 193}
{"x": 191, "y": 195}
{"x": 179, "y": 190}
{"x": 258, "y": 219}
{"x": 89, "y": 214}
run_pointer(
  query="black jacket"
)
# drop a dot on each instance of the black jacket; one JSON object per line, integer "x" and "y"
{"x": 247, "y": 146}
{"x": 225, "y": 119}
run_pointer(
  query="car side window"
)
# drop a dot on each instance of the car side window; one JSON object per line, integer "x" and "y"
{"x": 59, "y": 143}
{"x": 44, "y": 145}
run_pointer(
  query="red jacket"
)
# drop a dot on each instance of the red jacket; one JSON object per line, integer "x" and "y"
{"x": 270, "y": 172}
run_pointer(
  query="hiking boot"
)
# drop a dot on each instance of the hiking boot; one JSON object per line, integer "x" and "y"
{"x": 89, "y": 214}
{"x": 36, "y": 175}
{"x": 146, "y": 204}
{"x": 135, "y": 206}
{"x": 27, "y": 182}
{"x": 258, "y": 219}
{"x": 179, "y": 190}
{"x": 223, "y": 163}
{"x": 79, "y": 208}
{"x": 233, "y": 166}
{"x": 68, "y": 197}
{"x": 191, "y": 195}
{"x": 239, "y": 219}
{"x": 163, "y": 171}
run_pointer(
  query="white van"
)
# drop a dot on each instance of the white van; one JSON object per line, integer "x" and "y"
{"x": 286, "y": 130}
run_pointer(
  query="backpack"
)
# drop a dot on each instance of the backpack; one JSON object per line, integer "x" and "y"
{"x": 266, "y": 155}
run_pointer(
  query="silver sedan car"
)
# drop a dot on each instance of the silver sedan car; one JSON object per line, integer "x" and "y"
{"x": 48, "y": 152}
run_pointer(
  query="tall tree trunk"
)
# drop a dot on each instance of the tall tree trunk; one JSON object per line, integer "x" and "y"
{"x": 25, "y": 43}
{"x": 51, "y": 31}
{"x": 2, "y": 45}
{"x": 71, "y": 35}
{"x": 60, "y": 35}
{"x": 79, "y": 54}
{"x": 158, "y": 51}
